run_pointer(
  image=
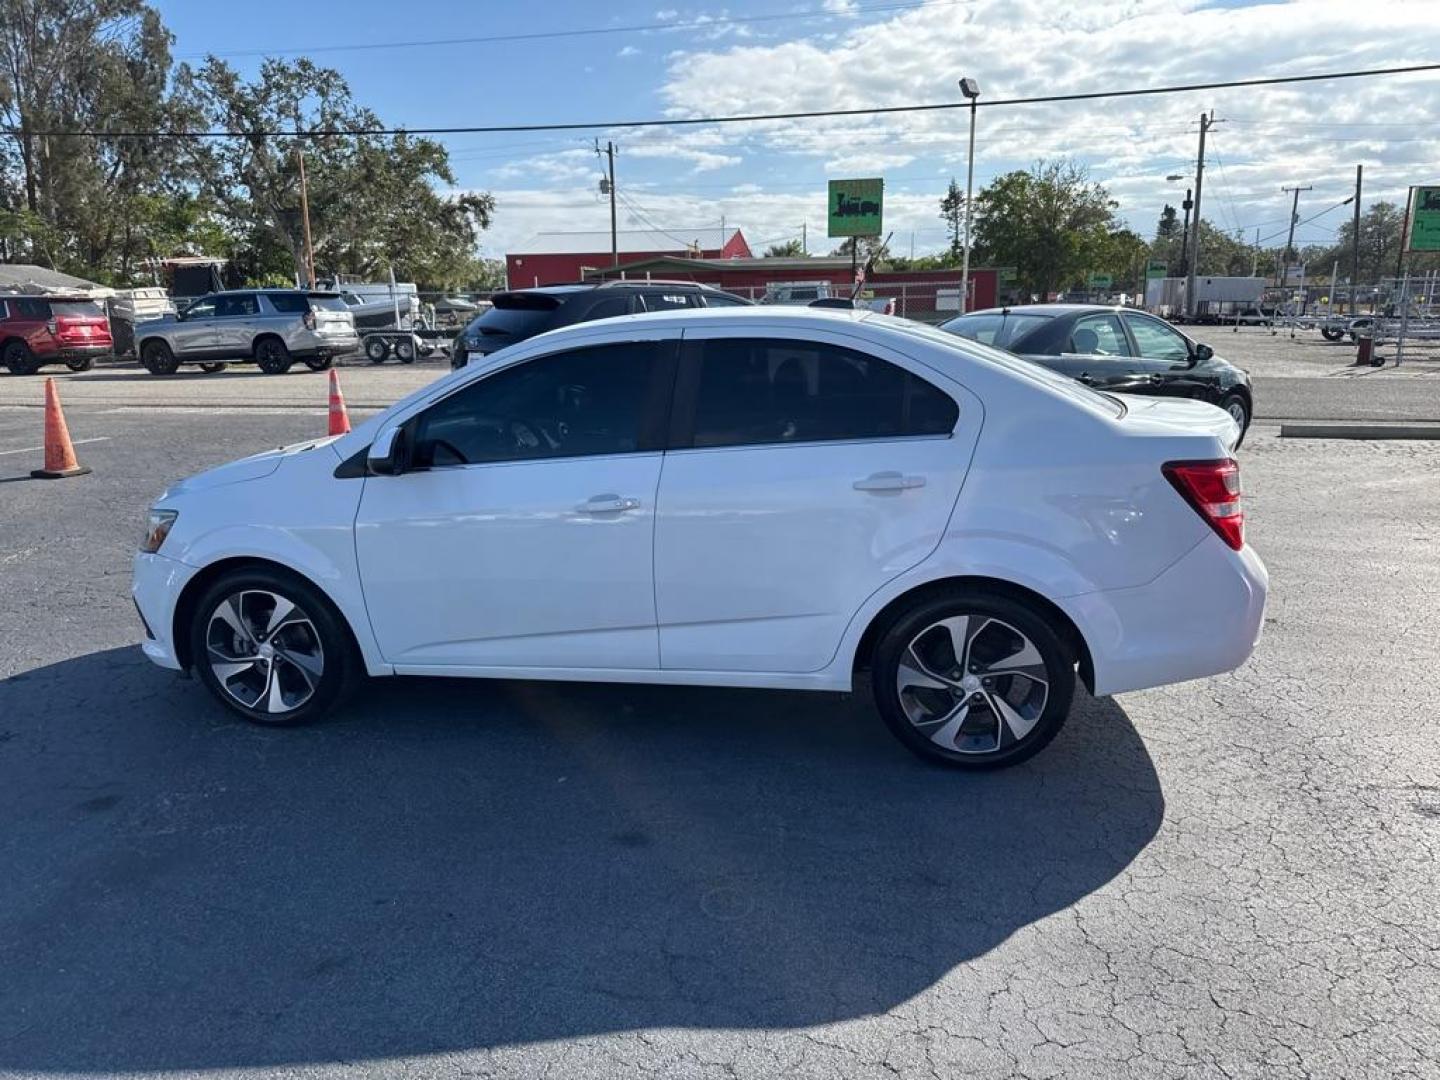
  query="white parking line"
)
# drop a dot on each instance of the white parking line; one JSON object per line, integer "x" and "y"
{"x": 73, "y": 442}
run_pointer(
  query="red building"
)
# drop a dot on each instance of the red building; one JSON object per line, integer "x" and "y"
{"x": 557, "y": 258}
{"x": 929, "y": 295}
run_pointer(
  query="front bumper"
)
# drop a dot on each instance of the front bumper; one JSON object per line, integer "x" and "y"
{"x": 1201, "y": 617}
{"x": 156, "y": 588}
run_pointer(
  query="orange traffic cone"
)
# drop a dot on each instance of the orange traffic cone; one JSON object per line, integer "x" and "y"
{"x": 339, "y": 418}
{"x": 59, "y": 453}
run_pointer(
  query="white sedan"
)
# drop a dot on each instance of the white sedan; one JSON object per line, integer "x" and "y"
{"x": 759, "y": 497}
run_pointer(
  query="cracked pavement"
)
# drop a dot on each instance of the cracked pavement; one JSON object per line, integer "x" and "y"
{"x": 1228, "y": 878}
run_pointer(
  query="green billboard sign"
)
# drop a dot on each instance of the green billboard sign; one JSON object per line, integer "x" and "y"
{"x": 1156, "y": 268}
{"x": 1424, "y": 231}
{"x": 855, "y": 207}
{"x": 1101, "y": 281}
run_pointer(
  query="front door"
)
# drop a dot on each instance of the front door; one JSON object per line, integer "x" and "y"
{"x": 1167, "y": 359}
{"x": 806, "y": 475}
{"x": 194, "y": 334}
{"x": 523, "y": 534}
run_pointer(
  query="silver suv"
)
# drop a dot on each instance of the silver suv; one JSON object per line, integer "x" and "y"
{"x": 273, "y": 327}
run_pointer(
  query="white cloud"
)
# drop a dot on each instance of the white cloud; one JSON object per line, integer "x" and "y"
{"x": 628, "y": 51}
{"x": 841, "y": 7}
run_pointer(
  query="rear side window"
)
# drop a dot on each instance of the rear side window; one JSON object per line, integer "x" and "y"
{"x": 289, "y": 303}
{"x": 87, "y": 309}
{"x": 758, "y": 392}
{"x": 1001, "y": 329}
{"x": 666, "y": 301}
{"x": 609, "y": 308}
{"x": 233, "y": 307}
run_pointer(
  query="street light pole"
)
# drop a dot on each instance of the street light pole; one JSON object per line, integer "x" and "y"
{"x": 1205, "y": 122}
{"x": 971, "y": 90}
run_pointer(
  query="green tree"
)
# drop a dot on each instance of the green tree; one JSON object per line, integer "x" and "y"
{"x": 373, "y": 198}
{"x": 790, "y": 249}
{"x": 1221, "y": 254}
{"x": 870, "y": 247}
{"x": 1382, "y": 234}
{"x": 1050, "y": 223}
{"x": 1169, "y": 222}
{"x": 952, "y": 211}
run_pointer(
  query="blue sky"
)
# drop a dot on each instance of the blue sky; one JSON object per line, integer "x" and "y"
{"x": 846, "y": 53}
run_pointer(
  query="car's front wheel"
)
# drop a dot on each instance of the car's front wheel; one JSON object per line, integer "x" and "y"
{"x": 272, "y": 648}
{"x": 157, "y": 358}
{"x": 973, "y": 679}
{"x": 1239, "y": 410}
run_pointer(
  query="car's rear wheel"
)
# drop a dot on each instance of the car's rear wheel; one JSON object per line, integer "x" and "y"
{"x": 157, "y": 358}
{"x": 376, "y": 350}
{"x": 19, "y": 359}
{"x": 973, "y": 680}
{"x": 213, "y": 368}
{"x": 272, "y": 648}
{"x": 272, "y": 357}
{"x": 80, "y": 363}
{"x": 319, "y": 363}
{"x": 1239, "y": 410}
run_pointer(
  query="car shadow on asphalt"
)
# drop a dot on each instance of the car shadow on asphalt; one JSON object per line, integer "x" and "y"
{"x": 456, "y": 865}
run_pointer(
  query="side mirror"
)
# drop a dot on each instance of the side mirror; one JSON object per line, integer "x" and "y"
{"x": 390, "y": 452}
{"x": 1203, "y": 352}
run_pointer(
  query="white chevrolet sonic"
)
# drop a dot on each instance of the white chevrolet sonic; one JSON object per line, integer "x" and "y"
{"x": 752, "y": 497}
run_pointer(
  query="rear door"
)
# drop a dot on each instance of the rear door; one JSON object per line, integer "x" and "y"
{"x": 804, "y": 473}
{"x": 237, "y": 316}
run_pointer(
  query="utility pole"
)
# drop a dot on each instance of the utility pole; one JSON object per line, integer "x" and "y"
{"x": 970, "y": 90}
{"x": 608, "y": 186}
{"x": 305, "y": 216}
{"x": 804, "y": 239}
{"x": 1355, "y": 247}
{"x": 1206, "y": 121}
{"x": 1255, "y": 256}
{"x": 1290, "y": 239}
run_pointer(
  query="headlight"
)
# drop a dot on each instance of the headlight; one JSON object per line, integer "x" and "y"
{"x": 157, "y": 529}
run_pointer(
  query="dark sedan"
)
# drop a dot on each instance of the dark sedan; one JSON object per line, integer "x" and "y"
{"x": 1116, "y": 349}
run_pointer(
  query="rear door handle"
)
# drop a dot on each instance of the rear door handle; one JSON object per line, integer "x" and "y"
{"x": 888, "y": 481}
{"x": 607, "y": 504}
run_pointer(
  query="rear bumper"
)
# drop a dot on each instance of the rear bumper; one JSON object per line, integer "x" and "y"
{"x": 80, "y": 352}
{"x": 1201, "y": 617}
{"x": 156, "y": 587}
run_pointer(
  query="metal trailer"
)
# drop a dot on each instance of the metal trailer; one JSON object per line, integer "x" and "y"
{"x": 404, "y": 344}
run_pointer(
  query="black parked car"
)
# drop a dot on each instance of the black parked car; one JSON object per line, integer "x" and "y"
{"x": 523, "y": 313}
{"x": 1116, "y": 349}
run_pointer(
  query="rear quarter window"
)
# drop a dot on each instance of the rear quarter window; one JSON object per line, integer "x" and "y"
{"x": 289, "y": 303}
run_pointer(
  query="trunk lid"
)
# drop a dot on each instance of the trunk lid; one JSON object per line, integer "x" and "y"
{"x": 1178, "y": 416}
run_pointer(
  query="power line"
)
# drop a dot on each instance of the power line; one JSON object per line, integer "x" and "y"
{"x": 693, "y": 121}
{"x": 591, "y": 31}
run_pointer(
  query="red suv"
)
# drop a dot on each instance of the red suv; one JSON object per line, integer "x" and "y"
{"x": 39, "y": 330}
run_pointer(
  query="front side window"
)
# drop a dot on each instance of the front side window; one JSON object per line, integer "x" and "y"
{"x": 572, "y": 404}
{"x": 203, "y": 308}
{"x": 759, "y": 391}
{"x": 1099, "y": 335}
{"x": 1157, "y": 341}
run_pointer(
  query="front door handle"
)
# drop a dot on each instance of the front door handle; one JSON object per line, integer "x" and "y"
{"x": 888, "y": 481}
{"x": 607, "y": 504}
{"x": 1086, "y": 378}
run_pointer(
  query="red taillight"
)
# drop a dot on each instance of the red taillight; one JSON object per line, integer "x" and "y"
{"x": 1213, "y": 489}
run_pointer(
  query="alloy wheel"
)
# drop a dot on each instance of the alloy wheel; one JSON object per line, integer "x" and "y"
{"x": 972, "y": 684}
{"x": 264, "y": 651}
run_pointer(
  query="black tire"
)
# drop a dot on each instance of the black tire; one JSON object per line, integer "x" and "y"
{"x": 272, "y": 357}
{"x": 998, "y": 628}
{"x": 322, "y": 632}
{"x": 19, "y": 359}
{"x": 405, "y": 350}
{"x": 1330, "y": 334}
{"x": 156, "y": 358}
{"x": 376, "y": 349}
{"x": 81, "y": 363}
{"x": 1236, "y": 405}
{"x": 214, "y": 367}
{"x": 319, "y": 363}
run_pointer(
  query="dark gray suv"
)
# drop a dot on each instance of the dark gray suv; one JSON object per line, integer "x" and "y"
{"x": 523, "y": 313}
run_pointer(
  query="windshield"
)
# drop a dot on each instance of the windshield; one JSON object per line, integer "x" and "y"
{"x": 1009, "y": 361}
{"x": 995, "y": 327}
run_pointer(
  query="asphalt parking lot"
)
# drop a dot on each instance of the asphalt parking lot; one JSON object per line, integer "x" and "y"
{"x": 1235, "y": 877}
